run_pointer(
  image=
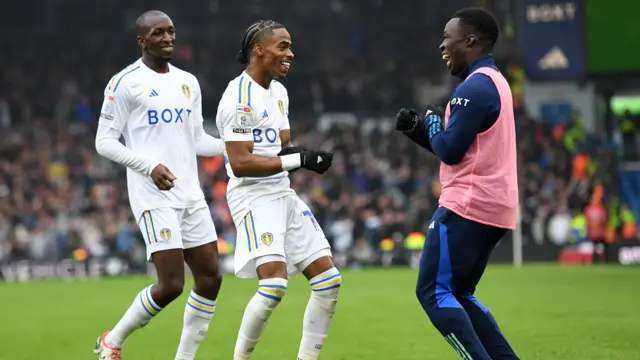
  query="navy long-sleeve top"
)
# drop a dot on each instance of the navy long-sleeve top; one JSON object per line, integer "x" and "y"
{"x": 475, "y": 107}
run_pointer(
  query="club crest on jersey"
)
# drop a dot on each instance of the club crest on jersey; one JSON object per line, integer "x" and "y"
{"x": 165, "y": 234}
{"x": 267, "y": 238}
{"x": 281, "y": 107}
{"x": 186, "y": 91}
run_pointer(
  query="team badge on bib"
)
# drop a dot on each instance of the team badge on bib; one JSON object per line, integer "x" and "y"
{"x": 186, "y": 91}
{"x": 165, "y": 234}
{"x": 267, "y": 238}
{"x": 281, "y": 107}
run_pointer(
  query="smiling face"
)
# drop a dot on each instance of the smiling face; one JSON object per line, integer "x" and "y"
{"x": 274, "y": 54}
{"x": 456, "y": 46}
{"x": 157, "y": 37}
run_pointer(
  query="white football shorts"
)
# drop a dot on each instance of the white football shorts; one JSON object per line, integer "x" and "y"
{"x": 283, "y": 227}
{"x": 168, "y": 228}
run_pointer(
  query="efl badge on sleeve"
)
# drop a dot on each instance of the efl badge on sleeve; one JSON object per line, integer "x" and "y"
{"x": 267, "y": 238}
{"x": 109, "y": 102}
{"x": 243, "y": 120}
{"x": 186, "y": 91}
{"x": 281, "y": 106}
{"x": 108, "y": 107}
{"x": 165, "y": 234}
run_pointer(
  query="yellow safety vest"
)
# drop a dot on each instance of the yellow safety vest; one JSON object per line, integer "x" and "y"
{"x": 579, "y": 224}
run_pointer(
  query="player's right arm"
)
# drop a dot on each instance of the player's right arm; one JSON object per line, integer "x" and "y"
{"x": 237, "y": 122}
{"x": 475, "y": 110}
{"x": 420, "y": 136}
{"x": 113, "y": 118}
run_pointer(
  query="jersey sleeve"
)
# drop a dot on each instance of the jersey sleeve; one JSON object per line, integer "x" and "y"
{"x": 470, "y": 106}
{"x": 115, "y": 107}
{"x": 237, "y": 121}
{"x": 285, "y": 125}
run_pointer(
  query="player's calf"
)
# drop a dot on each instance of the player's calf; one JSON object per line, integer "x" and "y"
{"x": 170, "y": 270}
{"x": 437, "y": 276}
{"x": 487, "y": 329}
{"x": 450, "y": 318}
{"x": 198, "y": 313}
{"x": 141, "y": 311}
{"x": 272, "y": 287}
{"x": 201, "y": 303}
{"x": 325, "y": 281}
{"x": 151, "y": 300}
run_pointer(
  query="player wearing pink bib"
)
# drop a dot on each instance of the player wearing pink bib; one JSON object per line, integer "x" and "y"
{"x": 476, "y": 144}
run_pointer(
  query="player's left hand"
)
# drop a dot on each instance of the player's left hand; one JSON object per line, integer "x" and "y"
{"x": 316, "y": 161}
{"x": 407, "y": 120}
{"x": 433, "y": 118}
{"x": 291, "y": 150}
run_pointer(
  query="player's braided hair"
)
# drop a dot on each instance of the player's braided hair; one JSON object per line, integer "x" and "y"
{"x": 482, "y": 22}
{"x": 254, "y": 33}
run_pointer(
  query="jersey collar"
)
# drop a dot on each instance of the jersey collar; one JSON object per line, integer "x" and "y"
{"x": 145, "y": 67}
{"x": 485, "y": 61}
{"x": 257, "y": 87}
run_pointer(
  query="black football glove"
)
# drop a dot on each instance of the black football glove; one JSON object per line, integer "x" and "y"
{"x": 317, "y": 161}
{"x": 433, "y": 117}
{"x": 407, "y": 120}
{"x": 292, "y": 150}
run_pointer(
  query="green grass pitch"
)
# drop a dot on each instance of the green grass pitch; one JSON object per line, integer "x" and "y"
{"x": 547, "y": 312}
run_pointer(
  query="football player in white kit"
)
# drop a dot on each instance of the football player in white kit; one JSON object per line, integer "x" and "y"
{"x": 277, "y": 234}
{"x": 158, "y": 109}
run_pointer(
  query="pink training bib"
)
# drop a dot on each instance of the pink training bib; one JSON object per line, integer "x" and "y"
{"x": 483, "y": 187}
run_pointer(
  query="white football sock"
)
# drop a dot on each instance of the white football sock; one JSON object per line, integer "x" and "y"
{"x": 197, "y": 315}
{"x": 141, "y": 311}
{"x": 256, "y": 315}
{"x": 319, "y": 313}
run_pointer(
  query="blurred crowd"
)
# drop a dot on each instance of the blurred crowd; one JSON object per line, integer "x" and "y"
{"x": 59, "y": 199}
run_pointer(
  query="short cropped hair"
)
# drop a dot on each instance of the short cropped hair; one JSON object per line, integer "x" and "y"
{"x": 483, "y": 23}
{"x": 253, "y": 34}
{"x": 142, "y": 20}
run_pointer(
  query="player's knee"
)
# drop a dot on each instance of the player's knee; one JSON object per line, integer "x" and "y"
{"x": 424, "y": 294}
{"x": 419, "y": 291}
{"x": 208, "y": 284}
{"x": 426, "y": 282}
{"x": 272, "y": 269}
{"x": 328, "y": 288}
{"x": 327, "y": 285}
{"x": 272, "y": 291}
{"x": 170, "y": 289}
{"x": 216, "y": 279}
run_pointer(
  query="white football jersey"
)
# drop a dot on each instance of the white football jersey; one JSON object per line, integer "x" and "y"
{"x": 249, "y": 112}
{"x": 156, "y": 114}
